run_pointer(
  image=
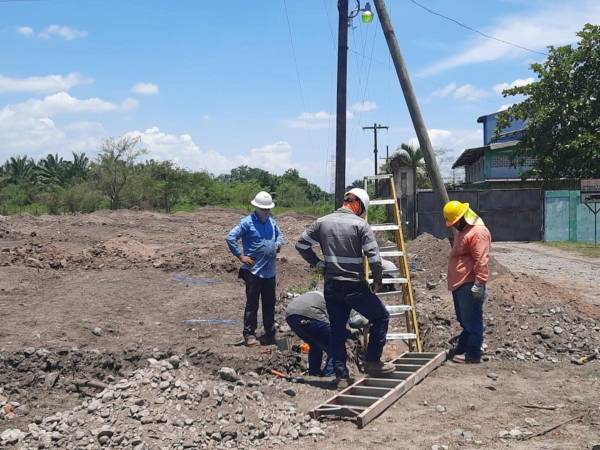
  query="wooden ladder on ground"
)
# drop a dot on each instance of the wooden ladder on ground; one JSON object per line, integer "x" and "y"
{"x": 369, "y": 397}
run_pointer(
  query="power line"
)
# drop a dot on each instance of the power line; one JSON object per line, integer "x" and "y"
{"x": 485, "y": 35}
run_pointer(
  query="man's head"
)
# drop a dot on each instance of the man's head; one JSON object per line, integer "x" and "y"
{"x": 459, "y": 215}
{"x": 357, "y": 201}
{"x": 263, "y": 203}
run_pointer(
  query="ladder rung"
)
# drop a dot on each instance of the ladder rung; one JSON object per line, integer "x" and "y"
{"x": 383, "y": 176}
{"x": 355, "y": 400}
{"x": 400, "y": 336}
{"x": 389, "y": 293}
{"x": 398, "y": 310}
{"x": 392, "y": 281}
{"x": 385, "y": 227}
{"x": 383, "y": 201}
{"x": 370, "y": 391}
{"x": 384, "y": 253}
{"x": 380, "y": 382}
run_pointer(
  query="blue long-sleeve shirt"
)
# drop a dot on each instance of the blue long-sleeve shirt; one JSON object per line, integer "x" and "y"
{"x": 260, "y": 241}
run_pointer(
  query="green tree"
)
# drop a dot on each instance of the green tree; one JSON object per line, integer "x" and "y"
{"x": 561, "y": 111}
{"x": 19, "y": 169}
{"x": 290, "y": 195}
{"x": 114, "y": 166}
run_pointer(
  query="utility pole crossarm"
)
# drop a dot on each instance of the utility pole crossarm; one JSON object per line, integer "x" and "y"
{"x": 375, "y": 127}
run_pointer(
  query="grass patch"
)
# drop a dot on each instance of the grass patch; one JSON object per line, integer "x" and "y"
{"x": 583, "y": 248}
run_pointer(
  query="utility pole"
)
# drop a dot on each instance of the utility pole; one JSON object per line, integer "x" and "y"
{"x": 342, "y": 77}
{"x": 375, "y": 127}
{"x": 411, "y": 101}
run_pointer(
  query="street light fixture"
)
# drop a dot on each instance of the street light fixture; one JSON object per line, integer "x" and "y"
{"x": 366, "y": 16}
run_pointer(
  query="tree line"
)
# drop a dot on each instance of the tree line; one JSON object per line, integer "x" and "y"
{"x": 117, "y": 178}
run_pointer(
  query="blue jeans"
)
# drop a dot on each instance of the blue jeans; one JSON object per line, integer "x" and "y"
{"x": 469, "y": 313}
{"x": 340, "y": 298}
{"x": 317, "y": 335}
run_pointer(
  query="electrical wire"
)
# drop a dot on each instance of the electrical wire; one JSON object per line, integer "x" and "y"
{"x": 474, "y": 30}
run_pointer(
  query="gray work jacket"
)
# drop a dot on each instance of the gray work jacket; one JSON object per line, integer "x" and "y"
{"x": 344, "y": 239}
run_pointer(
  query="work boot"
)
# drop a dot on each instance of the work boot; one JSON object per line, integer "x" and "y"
{"x": 268, "y": 339}
{"x": 454, "y": 351}
{"x": 375, "y": 368}
{"x": 250, "y": 340}
{"x": 472, "y": 360}
{"x": 342, "y": 383}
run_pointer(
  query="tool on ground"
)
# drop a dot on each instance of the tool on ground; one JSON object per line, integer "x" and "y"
{"x": 289, "y": 378}
{"x": 586, "y": 359}
{"x": 404, "y": 304}
{"x": 369, "y": 397}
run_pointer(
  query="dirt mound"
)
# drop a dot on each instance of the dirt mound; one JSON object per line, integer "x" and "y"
{"x": 525, "y": 317}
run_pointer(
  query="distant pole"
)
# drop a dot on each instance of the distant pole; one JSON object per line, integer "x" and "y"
{"x": 375, "y": 127}
{"x": 411, "y": 101}
{"x": 342, "y": 77}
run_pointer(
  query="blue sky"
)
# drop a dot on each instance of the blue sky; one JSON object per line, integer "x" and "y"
{"x": 213, "y": 85}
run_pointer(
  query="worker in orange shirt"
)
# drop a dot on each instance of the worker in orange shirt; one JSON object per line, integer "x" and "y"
{"x": 467, "y": 277}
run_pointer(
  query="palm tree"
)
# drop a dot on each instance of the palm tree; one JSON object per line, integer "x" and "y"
{"x": 412, "y": 157}
{"x": 78, "y": 169}
{"x": 19, "y": 169}
{"x": 52, "y": 170}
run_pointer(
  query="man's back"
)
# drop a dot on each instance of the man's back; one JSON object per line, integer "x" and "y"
{"x": 344, "y": 238}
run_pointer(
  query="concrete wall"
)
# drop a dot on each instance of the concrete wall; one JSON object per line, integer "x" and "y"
{"x": 566, "y": 219}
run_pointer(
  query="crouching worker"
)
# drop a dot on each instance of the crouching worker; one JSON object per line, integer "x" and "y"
{"x": 261, "y": 241}
{"x": 307, "y": 317}
{"x": 345, "y": 237}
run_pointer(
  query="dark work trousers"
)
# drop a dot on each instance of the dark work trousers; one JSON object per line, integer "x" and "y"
{"x": 340, "y": 298}
{"x": 469, "y": 313}
{"x": 263, "y": 288}
{"x": 316, "y": 334}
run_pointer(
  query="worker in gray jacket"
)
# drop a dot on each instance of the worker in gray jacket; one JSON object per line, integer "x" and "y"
{"x": 345, "y": 237}
{"x": 307, "y": 317}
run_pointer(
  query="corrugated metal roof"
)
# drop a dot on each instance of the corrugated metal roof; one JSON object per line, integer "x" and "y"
{"x": 469, "y": 156}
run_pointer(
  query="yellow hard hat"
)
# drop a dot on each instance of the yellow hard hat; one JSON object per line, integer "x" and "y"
{"x": 453, "y": 211}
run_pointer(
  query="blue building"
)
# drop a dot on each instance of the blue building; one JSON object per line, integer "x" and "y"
{"x": 493, "y": 164}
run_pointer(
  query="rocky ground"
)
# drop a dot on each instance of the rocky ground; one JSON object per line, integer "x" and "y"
{"x": 121, "y": 330}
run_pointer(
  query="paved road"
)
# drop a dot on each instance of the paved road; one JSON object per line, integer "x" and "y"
{"x": 554, "y": 265}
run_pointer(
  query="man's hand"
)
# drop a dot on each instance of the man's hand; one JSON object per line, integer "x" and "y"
{"x": 321, "y": 267}
{"x": 376, "y": 285}
{"x": 478, "y": 291}
{"x": 246, "y": 260}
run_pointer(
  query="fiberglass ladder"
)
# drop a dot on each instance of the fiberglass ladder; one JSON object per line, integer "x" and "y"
{"x": 368, "y": 397}
{"x": 405, "y": 307}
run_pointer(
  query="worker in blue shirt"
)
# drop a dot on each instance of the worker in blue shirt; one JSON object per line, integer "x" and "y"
{"x": 261, "y": 241}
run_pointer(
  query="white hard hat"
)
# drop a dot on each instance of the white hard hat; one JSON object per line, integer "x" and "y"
{"x": 363, "y": 197}
{"x": 263, "y": 200}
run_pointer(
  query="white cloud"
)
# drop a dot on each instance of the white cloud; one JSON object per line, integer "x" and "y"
{"x": 449, "y": 144}
{"x": 498, "y": 88}
{"x": 63, "y": 103}
{"x": 316, "y": 120}
{"x": 365, "y": 106}
{"x": 181, "y": 149}
{"x": 145, "y": 89}
{"x": 43, "y": 84}
{"x": 556, "y": 24}
{"x": 25, "y": 31}
{"x": 62, "y": 31}
{"x": 466, "y": 92}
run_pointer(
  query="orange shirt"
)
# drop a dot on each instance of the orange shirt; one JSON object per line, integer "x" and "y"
{"x": 469, "y": 256}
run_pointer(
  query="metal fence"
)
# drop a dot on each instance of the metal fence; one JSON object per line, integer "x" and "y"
{"x": 510, "y": 214}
